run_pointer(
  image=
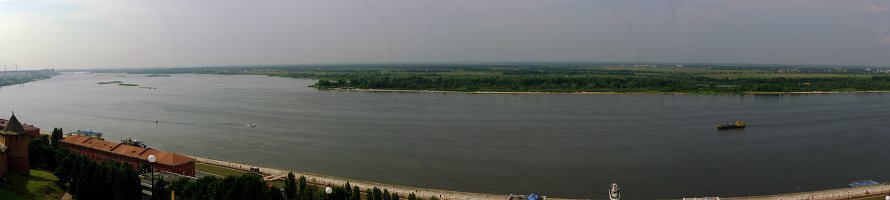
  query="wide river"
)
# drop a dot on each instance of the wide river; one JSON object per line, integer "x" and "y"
{"x": 654, "y": 146}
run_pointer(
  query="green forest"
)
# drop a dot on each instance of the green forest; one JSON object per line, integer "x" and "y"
{"x": 573, "y": 78}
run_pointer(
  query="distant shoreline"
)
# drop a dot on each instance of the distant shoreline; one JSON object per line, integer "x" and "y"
{"x": 591, "y": 93}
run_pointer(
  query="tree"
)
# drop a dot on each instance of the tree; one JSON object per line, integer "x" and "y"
{"x": 301, "y": 190}
{"x": 347, "y": 190}
{"x": 274, "y": 194}
{"x": 290, "y": 187}
{"x": 378, "y": 195}
{"x": 369, "y": 195}
{"x": 56, "y": 136}
{"x": 356, "y": 193}
{"x": 160, "y": 192}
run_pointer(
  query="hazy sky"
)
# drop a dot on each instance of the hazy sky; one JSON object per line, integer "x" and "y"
{"x": 151, "y": 33}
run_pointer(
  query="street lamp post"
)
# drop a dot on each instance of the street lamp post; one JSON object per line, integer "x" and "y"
{"x": 151, "y": 167}
{"x": 328, "y": 191}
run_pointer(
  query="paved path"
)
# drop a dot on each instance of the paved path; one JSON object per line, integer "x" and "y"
{"x": 833, "y": 194}
{"x": 331, "y": 180}
{"x": 844, "y": 193}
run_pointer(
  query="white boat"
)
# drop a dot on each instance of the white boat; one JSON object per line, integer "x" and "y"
{"x": 251, "y": 125}
{"x": 614, "y": 194}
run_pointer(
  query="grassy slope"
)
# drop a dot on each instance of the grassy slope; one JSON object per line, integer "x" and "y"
{"x": 222, "y": 171}
{"x": 6, "y": 194}
{"x": 40, "y": 185}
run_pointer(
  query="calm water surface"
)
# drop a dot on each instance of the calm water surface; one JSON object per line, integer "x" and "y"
{"x": 654, "y": 146}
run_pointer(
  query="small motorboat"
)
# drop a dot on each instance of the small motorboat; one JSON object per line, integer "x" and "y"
{"x": 736, "y": 125}
{"x": 251, "y": 125}
{"x": 614, "y": 193}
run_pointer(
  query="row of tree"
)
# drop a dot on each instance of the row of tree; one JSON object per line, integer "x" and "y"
{"x": 251, "y": 186}
{"x": 81, "y": 177}
{"x": 87, "y": 179}
{"x": 550, "y": 83}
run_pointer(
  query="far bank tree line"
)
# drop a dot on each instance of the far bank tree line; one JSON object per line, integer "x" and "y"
{"x": 86, "y": 179}
{"x": 546, "y": 83}
{"x": 567, "y": 77}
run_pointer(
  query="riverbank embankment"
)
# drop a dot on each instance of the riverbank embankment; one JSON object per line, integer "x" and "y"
{"x": 332, "y": 180}
{"x": 832, "y": 194}
{"x": 865, "y": 192}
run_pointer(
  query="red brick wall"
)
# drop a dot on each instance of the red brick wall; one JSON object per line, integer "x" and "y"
{"x": 17, "y": 154}
{"x": 187, "y": 169}
{"x": 3, "y": 167}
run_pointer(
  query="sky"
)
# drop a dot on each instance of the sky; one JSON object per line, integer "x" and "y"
{"x": 37, "y": 34}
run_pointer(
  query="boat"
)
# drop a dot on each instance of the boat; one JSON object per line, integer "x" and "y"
{"x": 251, "y": 125}
{"x": 614, "y": 193}
{"x": 736, "y": 125}
{"x": 132, "y": 142}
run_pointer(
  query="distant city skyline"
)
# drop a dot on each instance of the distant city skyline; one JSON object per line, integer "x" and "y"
{"x": 110, "y": 34}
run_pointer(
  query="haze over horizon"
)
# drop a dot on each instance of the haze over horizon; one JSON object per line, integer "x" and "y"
{"x": 102, "y": 34}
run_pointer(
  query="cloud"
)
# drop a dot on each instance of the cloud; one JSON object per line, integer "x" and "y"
{"x": 877, "y": 8}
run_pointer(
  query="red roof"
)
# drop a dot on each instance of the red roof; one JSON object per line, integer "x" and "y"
{"x": 30, "y": 129}
{"x": 163, "y": 157}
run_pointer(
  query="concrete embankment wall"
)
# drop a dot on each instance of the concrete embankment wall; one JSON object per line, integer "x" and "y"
{"x": 845, "y": 193}
{"x": 331, "y": 180}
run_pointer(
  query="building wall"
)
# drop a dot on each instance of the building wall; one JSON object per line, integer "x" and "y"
{"x": 17, "y": 154}
{"x": 4, "y": 169}
{"x": 187, "y": 169}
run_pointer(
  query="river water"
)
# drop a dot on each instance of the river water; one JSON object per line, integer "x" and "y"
{"x": 654, "y": 146}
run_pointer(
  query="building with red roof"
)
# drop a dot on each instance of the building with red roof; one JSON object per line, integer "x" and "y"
{"x": 29, "y": 129}
{"x": 100, "y": 150}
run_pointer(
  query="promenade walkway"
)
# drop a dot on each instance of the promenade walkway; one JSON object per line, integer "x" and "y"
{"x": 832, "y": 194}
{"x": 843, "y": 193}
{"x": 331, "y": 180}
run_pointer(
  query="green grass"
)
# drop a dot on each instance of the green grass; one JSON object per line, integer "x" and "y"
{"x": 676, "y": 70}
{"x": 42, "y": 185}
{"x": 6, "y": 194}
{"x": 777, "y": 75}
{"x": 39, "y": 186}
{"x": 277, "y": 183}
{"x": 222, "y": 171}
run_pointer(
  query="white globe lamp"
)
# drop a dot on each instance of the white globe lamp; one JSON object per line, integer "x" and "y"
{"x": 151, "y": 162}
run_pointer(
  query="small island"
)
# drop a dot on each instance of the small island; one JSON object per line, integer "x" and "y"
{"x": 121, "y": 83}
{"x": 158, "y": 75}
{"x": 110, "y": 82}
